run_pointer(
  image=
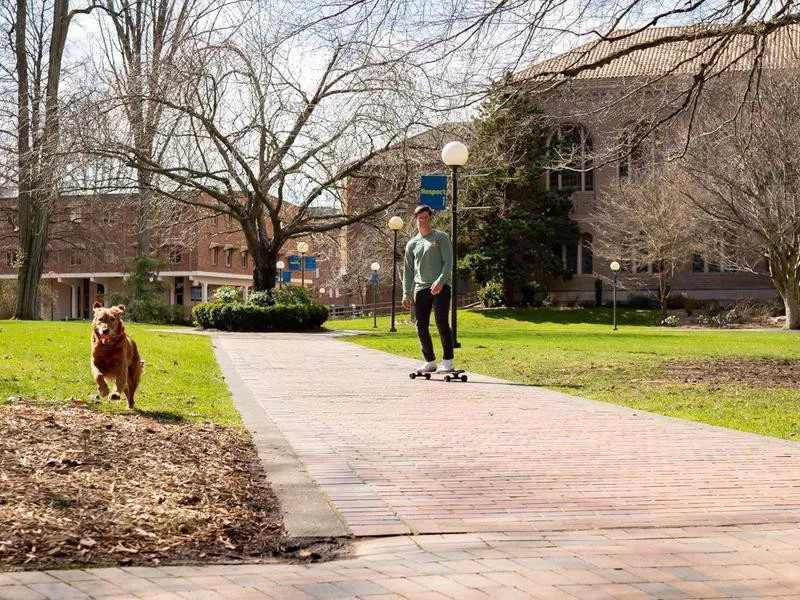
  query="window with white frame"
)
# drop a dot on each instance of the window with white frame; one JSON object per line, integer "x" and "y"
{"x": 75, "y": 256}
{"x": 570, "y": 150}
{"x": 228, "y": 257}
{"x": 215, "y": 256}
{"x": 244, "y": 259}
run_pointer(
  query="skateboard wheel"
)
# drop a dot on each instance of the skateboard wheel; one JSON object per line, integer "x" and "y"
{"x": 447, "y": 377}
{"x": 427, "y": 375}
{"x": 463, "y": 378}
{"x": 412, "y": 375}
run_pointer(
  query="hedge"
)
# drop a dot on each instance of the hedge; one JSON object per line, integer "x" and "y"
{"x": 248, "y": 317}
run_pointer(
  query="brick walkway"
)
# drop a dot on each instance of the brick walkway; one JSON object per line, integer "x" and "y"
{"x": 400, "y": 456}
{"x": 512, "y": 492}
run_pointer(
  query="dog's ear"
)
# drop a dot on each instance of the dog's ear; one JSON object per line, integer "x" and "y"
{"x": 121, "y": 308}
{"x": 97, "y": 305}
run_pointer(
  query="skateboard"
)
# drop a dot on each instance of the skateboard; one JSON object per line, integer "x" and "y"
{"x": 456, "y": 375}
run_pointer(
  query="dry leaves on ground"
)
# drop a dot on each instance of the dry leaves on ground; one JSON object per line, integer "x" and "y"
{"x": 761, "y": 372}
{"x": 78, "y": 488}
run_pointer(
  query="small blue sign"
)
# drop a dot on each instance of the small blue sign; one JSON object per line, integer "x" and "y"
{"x": 287, "y": 277}
{"x": 374, "y": 279}
{"x": 433, "y": 191}
{"x": 311, "y": 263}
{"x": 294, "y": 263}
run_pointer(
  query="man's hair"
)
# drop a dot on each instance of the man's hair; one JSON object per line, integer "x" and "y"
{"x": 423, "y": 208}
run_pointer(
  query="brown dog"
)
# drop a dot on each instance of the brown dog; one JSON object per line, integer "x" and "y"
{"x": 114, "y": 353}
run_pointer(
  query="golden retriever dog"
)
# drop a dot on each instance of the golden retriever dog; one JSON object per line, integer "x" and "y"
{"x": 114, "y": 354}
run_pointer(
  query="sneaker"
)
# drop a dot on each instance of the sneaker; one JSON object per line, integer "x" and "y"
{"x": 428, "y": 366}
{"x": 445, "y": 367}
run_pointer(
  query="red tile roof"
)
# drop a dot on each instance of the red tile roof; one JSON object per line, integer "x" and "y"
{"x": 672, "y": 50}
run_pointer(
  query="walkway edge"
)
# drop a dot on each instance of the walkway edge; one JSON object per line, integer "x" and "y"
{"x": 307, "y": 511}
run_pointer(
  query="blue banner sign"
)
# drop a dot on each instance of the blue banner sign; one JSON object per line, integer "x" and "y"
{"x": 294, "y": 263}
{"x": 374, "y": 279}
{"x": 287, "y": 277}
{"x": 433, "y": 191}
{"x": 311, "y": 263}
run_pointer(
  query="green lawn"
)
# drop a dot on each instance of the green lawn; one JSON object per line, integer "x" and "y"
{"x": 47, "y": 361}
{"x": 575, "y": 351}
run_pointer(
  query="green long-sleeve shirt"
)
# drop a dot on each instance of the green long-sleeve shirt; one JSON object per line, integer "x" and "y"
{"x": 428, "y": 260}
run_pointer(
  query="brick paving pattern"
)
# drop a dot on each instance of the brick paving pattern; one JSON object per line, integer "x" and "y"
{"x": 510, "y": 491}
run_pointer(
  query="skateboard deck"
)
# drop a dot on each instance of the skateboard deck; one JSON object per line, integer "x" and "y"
{"x": 454, "y": 375}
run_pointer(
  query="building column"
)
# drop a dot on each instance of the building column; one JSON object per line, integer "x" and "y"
{"x": 74, "y": 308}
{"x": 205, "y": 291}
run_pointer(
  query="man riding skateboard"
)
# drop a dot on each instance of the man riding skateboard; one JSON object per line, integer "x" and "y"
{"x": 426, "y": 277}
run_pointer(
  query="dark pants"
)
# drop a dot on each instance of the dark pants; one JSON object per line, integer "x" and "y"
{"x": 424, "y": 302}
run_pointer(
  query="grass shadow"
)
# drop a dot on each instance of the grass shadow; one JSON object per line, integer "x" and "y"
{"x": 574, "y": 316}
{"x": 162, "y": 415}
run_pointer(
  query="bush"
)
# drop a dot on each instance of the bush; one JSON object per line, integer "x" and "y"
{"x": 641, "y": 302}
{"x": 670, "y": 321}
{"x": 292, "y": 295}
{"x": 249, "y": 317}
{"x": 492, "y": 294}
{"x": 263, "y": 298}
{"x": 227, "y": 294}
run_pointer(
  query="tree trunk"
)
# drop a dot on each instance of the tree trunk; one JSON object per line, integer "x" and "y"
{"x": 32, "y": 241}
{"x": 264, "y": 269}
{"x": 791, "y": 301}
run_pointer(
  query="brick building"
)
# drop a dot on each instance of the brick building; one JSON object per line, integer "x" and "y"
{"x": 596, "y": 112}
{"x": 92, "y": 235}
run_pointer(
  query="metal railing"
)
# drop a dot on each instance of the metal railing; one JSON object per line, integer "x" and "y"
{"x": 382, "y": 309}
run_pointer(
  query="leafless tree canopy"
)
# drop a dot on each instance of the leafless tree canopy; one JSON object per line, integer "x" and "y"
{"x": 744, "y": 179}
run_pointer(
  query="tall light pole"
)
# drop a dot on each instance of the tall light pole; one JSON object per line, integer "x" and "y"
{"x": 374, "y": 266}
{"x": 454, "y": 155}
{"x": 280, "y": 265}
{"x": 302, "y": 248}
{"x": 395, "y": 224}
{"x": 615, "y": 269}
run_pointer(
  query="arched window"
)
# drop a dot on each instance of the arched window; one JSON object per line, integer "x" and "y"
{"x": 587, "y": 260}
{"x": 571, "y": 150}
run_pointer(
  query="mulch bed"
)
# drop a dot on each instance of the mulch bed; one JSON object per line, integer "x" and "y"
{"x": 761, "y": 372}
{"x": 82, "y": 488}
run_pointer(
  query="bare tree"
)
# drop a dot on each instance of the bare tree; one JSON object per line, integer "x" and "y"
{"x": 37, "y": 35}
{"x": 142, "y": 43}
{"x": 648, "y": 227}
{"x": 268, "y": 140}
{"x": 745, "y": 182}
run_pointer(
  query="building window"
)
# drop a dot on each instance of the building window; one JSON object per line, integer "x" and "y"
{"x": 244, "y": 260}
{"x": 196, "y": 294}
{"x": 179, "y": 291}
{"x": 109, "y": 256}
{"x": 101, "y": 293}
{"x": 230, "y": 220}
{"x": 571, "y": 149}
{"x": 174, "y": 255}
{"x": 571, "y": 258}
{"x": 698, "y": 264}
{"x": 215, "y": 256}
{"x": 587, "y": 260}
{"x": 75, "y": 257}
{"x": 639, "y": 148}
{"x": 228, "y": 258}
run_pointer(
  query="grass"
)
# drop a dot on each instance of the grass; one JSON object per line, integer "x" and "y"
{"x": 575, "y": 351}
{"x": 48, "y": 362}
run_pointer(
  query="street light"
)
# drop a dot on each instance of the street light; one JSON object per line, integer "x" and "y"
{"x": 454, "y": 155}
{"x": 280, "y": 265}
{"x": 615, "y": 268}
{"x": 375, "y": 266}
{"x": 395, "y": 224}
{"x": 302, "y": 248}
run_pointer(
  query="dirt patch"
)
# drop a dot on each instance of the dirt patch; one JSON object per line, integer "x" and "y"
{"x": 80, "y": 488}
{"x": 756, "y": 372}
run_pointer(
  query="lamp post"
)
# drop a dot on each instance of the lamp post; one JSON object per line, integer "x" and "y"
{"x": 615, "y": 268}
{"x": 280, "y": 265}
{"x": 374, "y": 266}
{"x": 454, "y": 155}
{"x": 302, "y": 248}
{"x": 395, "y": 224}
